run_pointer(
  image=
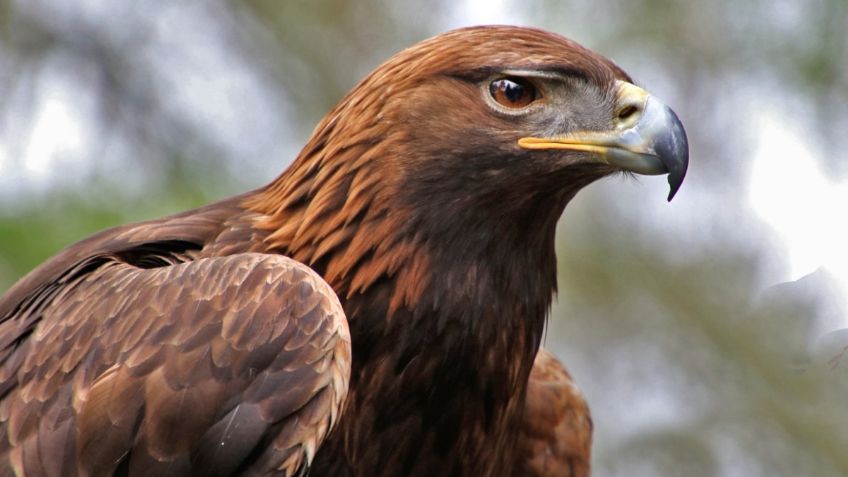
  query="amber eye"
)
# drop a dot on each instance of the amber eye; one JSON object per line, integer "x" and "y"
{"x": 513, "y": 92}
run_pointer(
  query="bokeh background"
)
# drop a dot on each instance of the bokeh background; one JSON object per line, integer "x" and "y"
{"x": 705, "y": 332}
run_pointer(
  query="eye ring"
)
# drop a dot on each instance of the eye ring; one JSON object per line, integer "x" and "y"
{"x": 513, "y": 92}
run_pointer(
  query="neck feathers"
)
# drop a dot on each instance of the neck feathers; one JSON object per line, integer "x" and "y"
{"x": 446, "y": 308}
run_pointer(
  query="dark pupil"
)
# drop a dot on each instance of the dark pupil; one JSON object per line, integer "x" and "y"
{"x": 513, "y": 91}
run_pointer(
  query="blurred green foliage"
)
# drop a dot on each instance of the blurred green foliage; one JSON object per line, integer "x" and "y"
{"x": 741, "y": 374}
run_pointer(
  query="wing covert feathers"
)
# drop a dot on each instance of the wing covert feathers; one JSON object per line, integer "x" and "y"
{"x": 556, "y": 433}
{"x": 223, "y": 365}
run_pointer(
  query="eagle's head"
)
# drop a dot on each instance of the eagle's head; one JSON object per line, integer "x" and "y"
{"x": 504, "y": 112}
{"x": 470, "y": 140}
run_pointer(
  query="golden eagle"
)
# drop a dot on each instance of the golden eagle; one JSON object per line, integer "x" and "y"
{"x": 375, "y": 310}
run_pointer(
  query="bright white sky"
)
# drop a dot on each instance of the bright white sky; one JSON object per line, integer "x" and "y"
{"x": 791, "y": 193}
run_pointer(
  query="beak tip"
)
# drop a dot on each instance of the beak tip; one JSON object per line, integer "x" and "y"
{"x": 674, "y": 149}
{"x": 677, "y": 171}
{"x": 674, "y": 182}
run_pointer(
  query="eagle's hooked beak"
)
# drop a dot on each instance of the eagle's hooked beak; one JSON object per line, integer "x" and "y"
{"x": 648, "y": 138}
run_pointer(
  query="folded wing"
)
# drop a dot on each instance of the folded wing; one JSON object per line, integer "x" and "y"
{"x": 208, "y": 367}
{"x": 556, "y": 433}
